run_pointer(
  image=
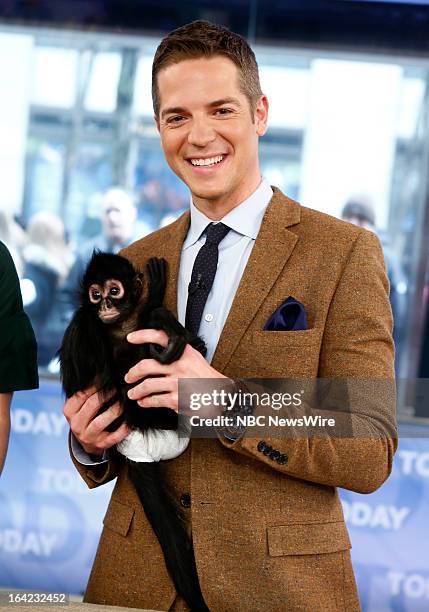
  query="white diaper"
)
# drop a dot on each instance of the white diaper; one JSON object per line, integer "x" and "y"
{"x": 156, "y": 444}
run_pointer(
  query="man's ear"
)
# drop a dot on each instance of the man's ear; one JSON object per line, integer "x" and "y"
{"x": 157, "y": 122}
{"x": 261, "y": 115}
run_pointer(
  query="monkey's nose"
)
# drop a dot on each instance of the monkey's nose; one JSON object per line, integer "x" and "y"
{"x": 107, "y": 304}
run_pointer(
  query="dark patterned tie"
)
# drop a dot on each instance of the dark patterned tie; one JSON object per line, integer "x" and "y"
{"x": 203, "y": 274}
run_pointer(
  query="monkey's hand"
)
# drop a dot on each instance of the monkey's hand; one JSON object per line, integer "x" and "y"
{"x": 156, "y": 270}
{"x": 158, "y": 384}
{"x": 90, "y": 428}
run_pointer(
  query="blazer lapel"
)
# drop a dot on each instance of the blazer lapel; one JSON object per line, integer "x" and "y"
{"x": 172, "y": 249}
{"x": 269, "y": 255}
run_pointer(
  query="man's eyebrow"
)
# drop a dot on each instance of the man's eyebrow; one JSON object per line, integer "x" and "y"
{"x": 224, "y": 101}
{"x": 172, "y": 110}
{"x": 180, "y": 110}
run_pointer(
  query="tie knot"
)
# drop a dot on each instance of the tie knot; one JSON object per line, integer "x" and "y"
{"x": 216, "y": 232}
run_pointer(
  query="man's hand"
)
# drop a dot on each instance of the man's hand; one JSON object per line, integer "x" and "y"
{"x": 81, "y": 412}
{"x": 166, "y": 382}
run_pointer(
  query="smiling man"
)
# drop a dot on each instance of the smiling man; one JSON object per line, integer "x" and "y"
{"x": 264, "y": 515}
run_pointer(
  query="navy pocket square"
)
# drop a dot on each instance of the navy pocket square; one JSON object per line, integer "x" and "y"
{"x": 289, "y": 316}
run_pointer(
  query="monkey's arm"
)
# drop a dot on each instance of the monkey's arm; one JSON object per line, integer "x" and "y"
{"x": 84, "y": 355}
{"x": 155, "y": 316}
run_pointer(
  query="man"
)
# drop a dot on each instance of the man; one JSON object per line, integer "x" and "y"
{"x": 118, "y": 224}
{"x": 360, "y": 211}
{"x": 266, "y": 520}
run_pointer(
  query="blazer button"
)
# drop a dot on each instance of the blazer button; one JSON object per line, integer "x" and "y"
{"x": 261, "y": 446}
{"x": 274, "y": 455}
{"x": 282, "y": 460}
{"x": 267, "y": 450}
{"x": 185, "y": 500}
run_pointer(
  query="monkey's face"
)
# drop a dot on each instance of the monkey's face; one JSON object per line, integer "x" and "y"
{"x": 109, "y": 299}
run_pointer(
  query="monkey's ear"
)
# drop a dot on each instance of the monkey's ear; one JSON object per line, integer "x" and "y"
{"x": 138, "y": 279}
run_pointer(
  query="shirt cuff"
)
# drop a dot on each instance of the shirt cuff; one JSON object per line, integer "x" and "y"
{"x": 235, "y": 431}
{"x": 82, "y": 456}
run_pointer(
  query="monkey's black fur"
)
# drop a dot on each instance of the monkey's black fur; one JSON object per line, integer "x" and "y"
{"x": 97, "y": 353}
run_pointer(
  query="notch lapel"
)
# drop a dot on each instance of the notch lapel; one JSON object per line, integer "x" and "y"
{"x": 172, "y": 249}
{"x": 272, "y": 249}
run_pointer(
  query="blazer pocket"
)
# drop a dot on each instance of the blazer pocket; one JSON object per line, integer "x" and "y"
{"x": 307, "y": 539}
{"x": 292, "y": 339}
{"x": 118, "y": 517}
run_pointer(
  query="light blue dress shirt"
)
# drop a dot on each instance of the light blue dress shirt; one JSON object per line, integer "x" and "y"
{"x": 234, "y": 251}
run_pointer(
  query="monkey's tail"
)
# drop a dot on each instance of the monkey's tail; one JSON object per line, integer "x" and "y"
{"x": 169, "y": 528}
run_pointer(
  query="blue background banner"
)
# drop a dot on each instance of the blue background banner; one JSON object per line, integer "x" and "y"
{"x": 50, "y": 522}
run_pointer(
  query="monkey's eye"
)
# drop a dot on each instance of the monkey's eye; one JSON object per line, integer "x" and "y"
{"x": 94, "y": 296}
{"x": 115, "y": 291}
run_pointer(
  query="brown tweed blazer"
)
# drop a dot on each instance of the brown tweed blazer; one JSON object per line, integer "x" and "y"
{"x": 268, "y": 536}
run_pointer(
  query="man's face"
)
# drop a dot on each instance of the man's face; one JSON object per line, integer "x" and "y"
{"x": 118, "y": 217}
{"x": 208, "y": 132}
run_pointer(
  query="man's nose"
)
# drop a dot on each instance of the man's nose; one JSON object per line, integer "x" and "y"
{"x": 201, "y": 133}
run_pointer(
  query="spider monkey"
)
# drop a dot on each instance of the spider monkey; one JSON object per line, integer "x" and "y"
{"x": 95, "y": 351}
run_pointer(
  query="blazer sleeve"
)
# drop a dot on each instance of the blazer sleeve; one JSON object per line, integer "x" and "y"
{"x": 97, "y": 474}
{"x": 357, "y": 346}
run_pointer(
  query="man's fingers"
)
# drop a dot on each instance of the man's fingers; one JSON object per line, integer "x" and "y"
{"x": 76, "y": 401}
{"x": 151, "y": 385}
{"x": 142, "y": 336}
{"x": 104, "y": 419}
{"x": 164, "y": 400}
{"x": 116, "y": 436}
{"x": 80, "y": 420}
{"x": 146, "y": 367}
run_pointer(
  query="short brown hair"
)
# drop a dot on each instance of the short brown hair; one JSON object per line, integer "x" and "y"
{"x": 205, "y": 39}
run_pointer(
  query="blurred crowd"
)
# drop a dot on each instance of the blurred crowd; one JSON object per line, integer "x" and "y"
{"x": 50, "y": 264}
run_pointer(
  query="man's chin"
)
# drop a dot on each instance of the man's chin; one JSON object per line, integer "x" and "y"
{"x": 209, "y": 194}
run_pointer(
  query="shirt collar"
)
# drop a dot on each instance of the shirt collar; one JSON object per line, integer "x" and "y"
{"x": 245, "y": 219}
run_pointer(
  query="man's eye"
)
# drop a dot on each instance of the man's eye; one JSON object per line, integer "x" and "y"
{"x": 175, "y": 119}
{"x": 223, "y": 111}
{"x": 114, "y": 291}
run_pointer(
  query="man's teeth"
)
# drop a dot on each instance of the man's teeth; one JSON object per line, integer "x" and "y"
{"x": 210, "y": 161}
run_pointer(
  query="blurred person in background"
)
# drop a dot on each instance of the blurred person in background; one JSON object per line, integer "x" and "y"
{"x": 359, "y": 210}
{"x": 47, "y": 263}
{"x": 119, "y": 228}
{"x": 18, "y": 350}
{"x": 14, "y": 237}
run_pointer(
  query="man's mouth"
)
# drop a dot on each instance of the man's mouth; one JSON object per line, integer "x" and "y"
{"x": 206, "y": 162}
